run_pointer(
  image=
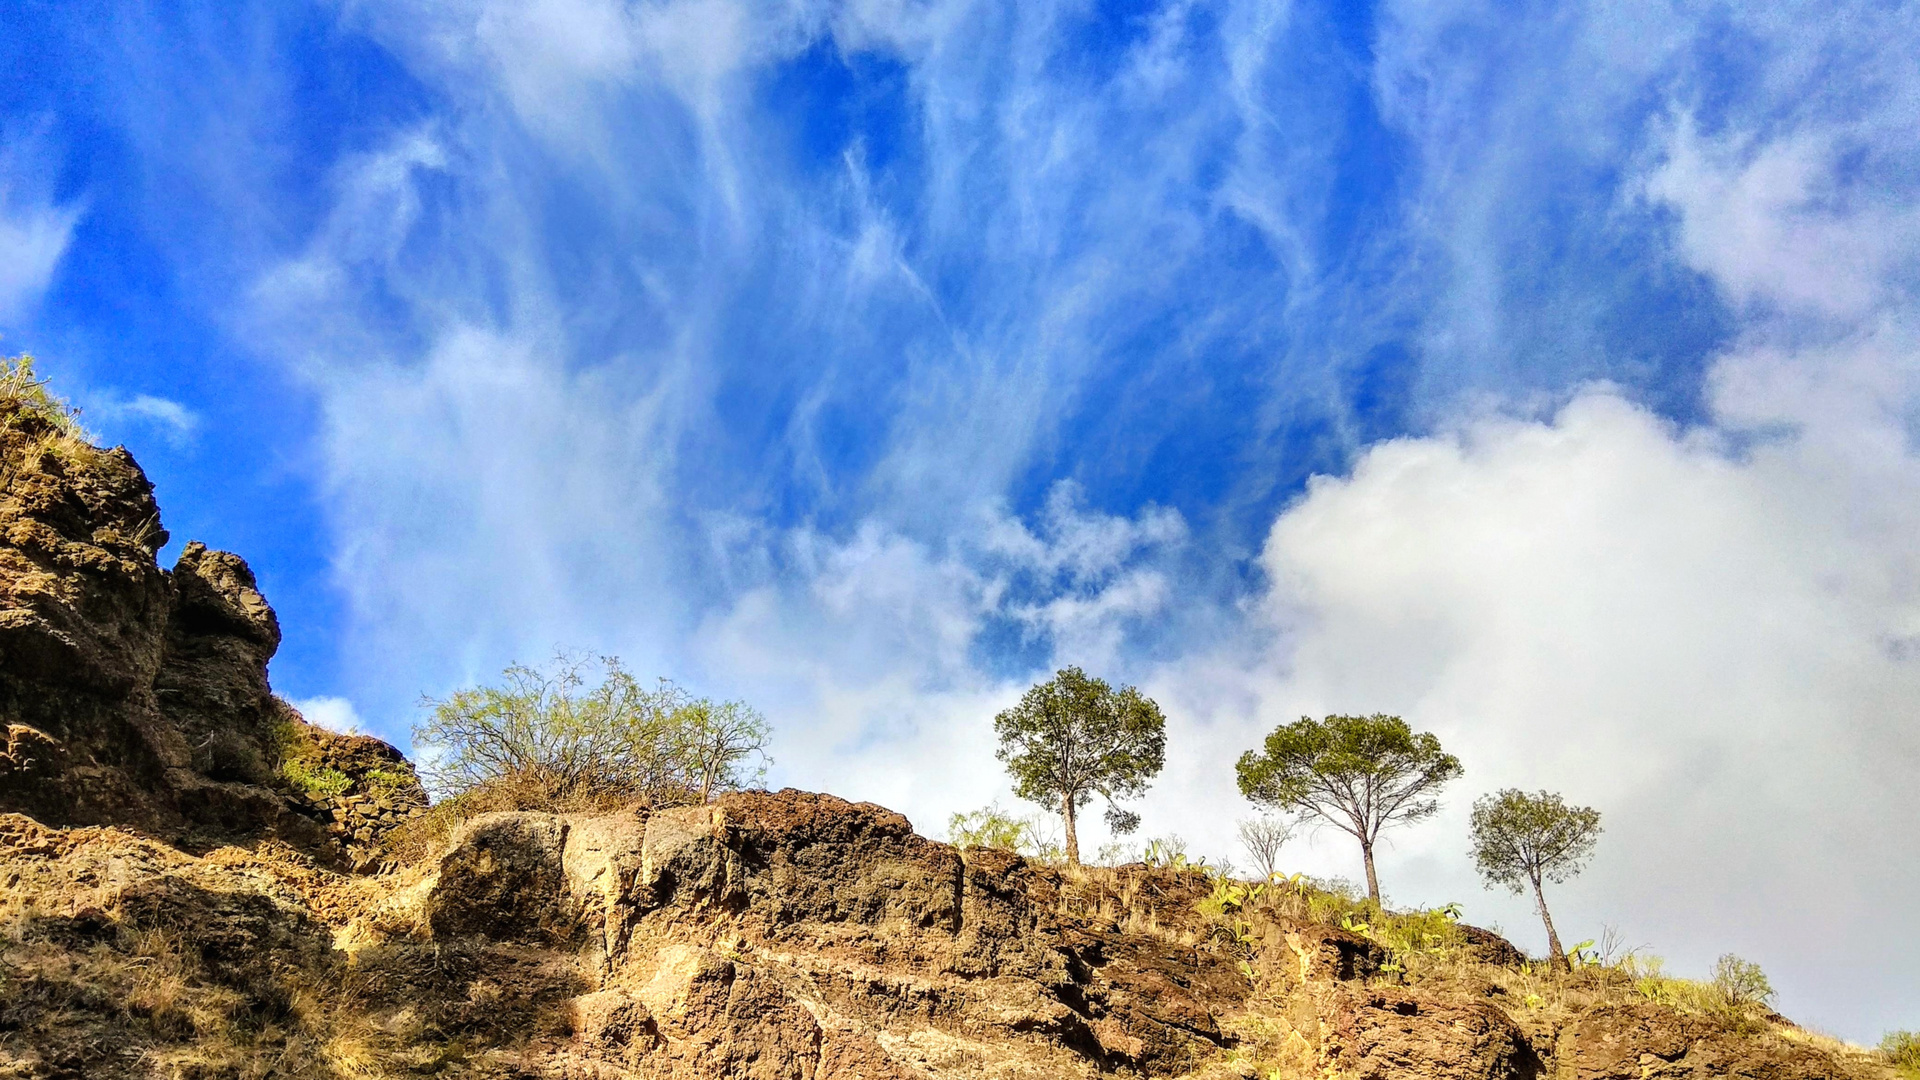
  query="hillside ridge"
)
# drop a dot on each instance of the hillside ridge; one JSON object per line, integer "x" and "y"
{"x": 196, "y": 884}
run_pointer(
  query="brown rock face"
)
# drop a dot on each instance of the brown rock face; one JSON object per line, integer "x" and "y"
{"x": 786, "y": 936}
{"x": 1619, "y": 1042}
{"x": 1396, "y": 1033}
{"x": 129, "y": 694}
{"x": 768, "y": 935}
{"x": 780, "y": 936}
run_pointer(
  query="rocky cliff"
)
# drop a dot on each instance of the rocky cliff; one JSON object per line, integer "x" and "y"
{"x": 191, "y": 887}
{"x": 784, "y": 936}
{"x": 133, "y": 695}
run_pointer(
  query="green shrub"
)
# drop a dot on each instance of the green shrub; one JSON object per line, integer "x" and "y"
{"x": 315, "y": 779}
{"x": 992, "y": 827}
{"x": 1741, "y": 982}
{"x": 548, "y": 730}
{"x": 1903, "y": 1049}
{"x": 384, "y": 779}
{"x": 21, "y": 392}
{"x": 1169, "y": 852}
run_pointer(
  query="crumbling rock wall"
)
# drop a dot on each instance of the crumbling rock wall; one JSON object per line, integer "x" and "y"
{"x": 768, "y": 934}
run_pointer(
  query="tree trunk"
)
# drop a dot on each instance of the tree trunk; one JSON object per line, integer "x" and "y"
{"x": 1073, "y": 837}
{"x": 1553, "y": 939}
{"x": 1373, "y": 880}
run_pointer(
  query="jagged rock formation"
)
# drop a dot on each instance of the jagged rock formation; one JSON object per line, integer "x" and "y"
{"x": 129, "y": 694}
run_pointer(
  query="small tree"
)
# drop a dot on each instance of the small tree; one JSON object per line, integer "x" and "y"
{"x": 1741, "y": 983}
{"x": 1073, "y": 737}
{"x": 1360, "y": 774}
{"x": 1521, "y": 840}
{"x": 1263, "y": 837}
{"x": 1903, "y": 1050}
{"x": 714, "y": 742}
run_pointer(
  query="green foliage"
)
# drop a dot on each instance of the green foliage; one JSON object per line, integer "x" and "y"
{"x": 1737, "y": 990}
{"x": 1360, "y": 774}
{"x": 22, "y": 393}
{"x": 315, "y": 779}
{"x": 1230, "y": 897}
{"x": 1521, "y": 839}
{"x": 992, "y": 827}
{"x": 1073, "y": 737}
{"x": 1169, "y": 852}
{"x": 710, "y": 742}
{"x": 384, "y": 779}
{"x": 1583, "y": 955}
{"x": 1407, "y": 936}
{"x": 1903, "y": 1050}
{"x": 1741, "y": 982}
{"x": 551, "y": 737}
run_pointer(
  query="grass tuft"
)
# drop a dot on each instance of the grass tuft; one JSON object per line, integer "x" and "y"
{"x": 310, "y": 779}
{"x": 1903, "y": 1050}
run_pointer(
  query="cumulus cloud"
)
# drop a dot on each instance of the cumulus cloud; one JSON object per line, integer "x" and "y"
{"x": 333, "y": 713}
{"x": 1710, "y": 648}
{"x": 1704, "y": 630}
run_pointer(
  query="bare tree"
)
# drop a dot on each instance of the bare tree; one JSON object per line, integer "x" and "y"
{"x": 1263, "y": 838}
{"x": 556, "y": 736}
{"x": 715, "y": 743}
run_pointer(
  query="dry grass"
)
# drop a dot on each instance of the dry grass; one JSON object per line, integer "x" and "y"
{"x": 144, "y": 998}
{"x": 35, "y": 427}
{"x": 426, "y": 834}
{"x": 1136, "y": 899}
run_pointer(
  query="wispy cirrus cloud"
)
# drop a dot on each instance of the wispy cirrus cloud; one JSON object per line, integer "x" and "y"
{"x": 35, "y": 228}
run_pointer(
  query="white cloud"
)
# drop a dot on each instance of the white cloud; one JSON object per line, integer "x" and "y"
{"x": 1712, "y": 650}
{"x": 535, "y": 435}
{"x": 32, "y": 240}
{"x": 1708, "y": 633}
{"x": 174, "y": 420}
{"x": 34, "y": 229}
{"x": 332, "y": 713}
{"x": 869, "y": 644}
{"x": 1772, "y": 221}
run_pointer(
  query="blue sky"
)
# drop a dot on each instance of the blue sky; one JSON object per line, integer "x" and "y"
{"x": 1542, "y": 372}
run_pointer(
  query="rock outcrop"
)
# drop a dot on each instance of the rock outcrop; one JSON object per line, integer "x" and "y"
{"x": 132, "y": 695}
{"x": 778, "y": 936}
